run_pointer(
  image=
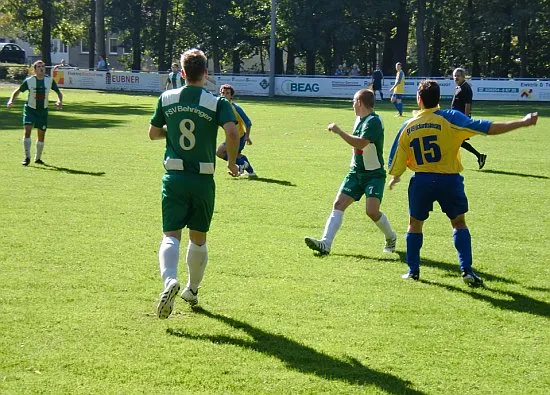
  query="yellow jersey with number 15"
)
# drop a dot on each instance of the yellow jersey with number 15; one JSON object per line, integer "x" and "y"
{"x": 430, "y": 142}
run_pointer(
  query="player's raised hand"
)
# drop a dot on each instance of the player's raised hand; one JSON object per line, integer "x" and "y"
{"x": 233, "y": 170}
{"x": 393, "y": 181}
{"x": 531, "y": 118}
{"x": 334, "y": 128}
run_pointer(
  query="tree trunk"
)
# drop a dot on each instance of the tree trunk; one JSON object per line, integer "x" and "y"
{"x": 522, "y": 42}
{"x": 310, "y": 62}
{"x": 436, "y": 51}
{"x": 388, "y": 67}
{"x": 291, "y": 60}
{"x": 164, "y": 59}
{"x": 46, "y": 41}
{"x": 216, "y": 58}
{"x": 100, "y": 28}
{"x": 91, "y": 37}
{"x": 236, "y": 60}
{"x": 402, "y": 36}
{"x": 473, "y": 33}
{"x": 421, "y": 47}
{"x": 505, "y": 53}
{"x": 136, "y": 36}
{"x": 279, "y": 63}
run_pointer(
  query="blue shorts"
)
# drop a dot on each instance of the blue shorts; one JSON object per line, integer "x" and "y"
{"x": 446, "y": 189}
{"x": 397, "y": 96}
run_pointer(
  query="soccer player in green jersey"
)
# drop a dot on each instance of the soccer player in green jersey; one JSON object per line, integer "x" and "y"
{"x": 35, "y": 111}
{"x": 366, "y": 176}
{"x": 188, "y": 118}
{"x": 175, "y": 79}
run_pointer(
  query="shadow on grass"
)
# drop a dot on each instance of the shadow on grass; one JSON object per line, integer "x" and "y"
{"x": 271, "y": 181}
{"x": 453, "y": 269}
{"x": 66, "y": 119}
{"x": 513, "y": 301}
{"x": 301, "y": 358}
{"x": 70, "y": 171}
{"x": 509, "y": 173}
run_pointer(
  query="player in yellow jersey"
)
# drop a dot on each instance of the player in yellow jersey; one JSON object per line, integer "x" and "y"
{"x": 398, "y": 89}
{"x": 244, "y": 125}
{"x": 429, "y": 144}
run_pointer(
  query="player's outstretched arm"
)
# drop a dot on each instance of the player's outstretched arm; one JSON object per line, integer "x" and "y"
{"x": 504, "y": 127}
{"x": 354, "y": 141}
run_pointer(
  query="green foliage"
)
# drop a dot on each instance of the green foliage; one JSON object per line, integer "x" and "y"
{"x": 13, "y": 73}
{"x": 80, "y": 280}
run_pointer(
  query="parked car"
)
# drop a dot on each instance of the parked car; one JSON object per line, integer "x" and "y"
{"x": 12, "y": 53}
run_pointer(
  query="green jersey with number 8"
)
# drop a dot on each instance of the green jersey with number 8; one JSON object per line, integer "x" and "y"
{"x": 192, "y": 116}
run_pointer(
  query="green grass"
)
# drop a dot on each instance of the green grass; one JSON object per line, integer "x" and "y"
{"x": 79, "y": 275}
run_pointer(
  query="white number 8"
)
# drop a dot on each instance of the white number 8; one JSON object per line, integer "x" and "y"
{"x": 187, "y": 127}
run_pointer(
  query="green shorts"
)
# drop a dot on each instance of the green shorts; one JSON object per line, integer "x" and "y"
{"x": 357, "y": 185}
{"x": 36, "y": 118}
{"x": 187, "y": 201}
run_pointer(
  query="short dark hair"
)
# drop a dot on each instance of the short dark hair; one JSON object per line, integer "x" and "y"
{"x": 366, "y": 96}
{"x": 194, "y": 64}
{"x": 428, "y": 90}
{"x": 227, "y": 86}
{"x": 175, "y": 64}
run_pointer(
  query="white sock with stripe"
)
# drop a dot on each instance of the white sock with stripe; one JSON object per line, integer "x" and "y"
{"x": 169, "y": 254}
{"x": 39, "y": 149}
{"x": 197, "y": 258}
{"x": 334, "y": 222}
{"x": 384, "y": 225}
{"x": 27, "y": 147}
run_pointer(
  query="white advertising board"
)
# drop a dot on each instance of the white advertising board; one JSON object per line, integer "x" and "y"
{"x": 297, "y": 86}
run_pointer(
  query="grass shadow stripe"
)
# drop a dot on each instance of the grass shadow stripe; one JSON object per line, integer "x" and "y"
{"x": 302, "y": 358}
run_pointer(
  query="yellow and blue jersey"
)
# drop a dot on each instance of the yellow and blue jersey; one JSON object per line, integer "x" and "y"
{"x": 243, "y": 122}
{"x": 399, "y": 83}
{"x": 430, "y": 142}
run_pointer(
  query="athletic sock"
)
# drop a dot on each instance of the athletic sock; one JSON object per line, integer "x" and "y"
{"x": 334, "y": 222}
{"x": 463, "y": 244}
{"x": 414, "y": 244}
{"x": 39, "y": 149}
{"x": 400, "y": 108}
{"x": 27, "y": 147}
{"x": 384, "y": 225}
{"x": 249, "y": 169}
{"x": 169, "y": 253}
{"x": 396, "y": 105}
{"x": 197, "y": 258}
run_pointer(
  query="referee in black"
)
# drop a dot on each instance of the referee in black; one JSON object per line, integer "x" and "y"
{"x": 462, "y": 101}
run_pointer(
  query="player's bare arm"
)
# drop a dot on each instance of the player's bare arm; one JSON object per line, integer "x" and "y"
{"x": 504, "y": 127}
{"x": 156, "y": 133}
{"x": 354, "y": 141}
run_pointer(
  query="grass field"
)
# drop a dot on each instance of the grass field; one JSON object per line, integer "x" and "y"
{"x": 79, "y": 275}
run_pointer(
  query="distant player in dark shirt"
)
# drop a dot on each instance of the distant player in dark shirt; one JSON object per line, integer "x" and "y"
{"x": 462, "y": 101}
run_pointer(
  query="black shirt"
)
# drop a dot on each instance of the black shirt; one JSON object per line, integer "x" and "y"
{"x": 463, "y": 95}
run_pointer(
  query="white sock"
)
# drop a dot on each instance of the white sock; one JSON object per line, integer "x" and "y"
{"x": 27, "y": 147}
{"x": 169, "y": 254}
{"x": 197, "y": 258}
{"x": 331, "y": 227}
{"x": 384, "y": 225}
{"x": 39, "y": 148}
